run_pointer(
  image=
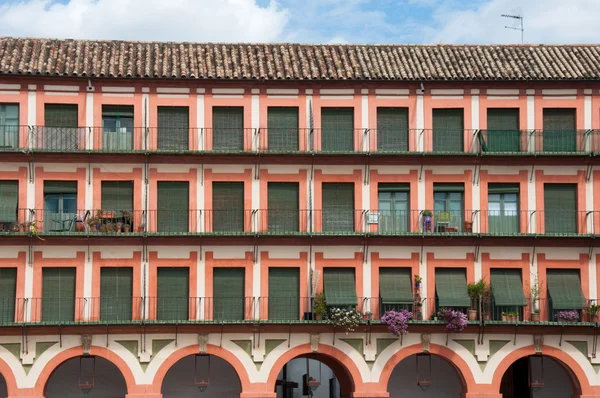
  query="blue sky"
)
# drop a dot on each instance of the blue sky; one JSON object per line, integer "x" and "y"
{"x": 308, "y": 21}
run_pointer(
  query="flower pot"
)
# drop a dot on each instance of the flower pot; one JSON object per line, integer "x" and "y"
{"x": 535, "y": 317}
{"x": 79, "y": 227}
{"x": 486, "y": 317}
{"x": 140, "y": 228}
{"x": 472, "y": 314}
{"x": 119, "y": 228}
{"x": 127, "y": 228}
{"x": 595, "y": 318}
{"x": 319, "y": 317}
{"x": 468, "y": 226}
{"x": 427, "y": 224}
{"x": 504, "y": 318}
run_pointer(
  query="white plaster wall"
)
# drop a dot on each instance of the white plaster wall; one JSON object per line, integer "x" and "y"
{"x": 444, "y": 381}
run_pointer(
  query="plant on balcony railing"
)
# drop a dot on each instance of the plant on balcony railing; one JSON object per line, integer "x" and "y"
{"x": 456, "y": 321}
{"x": 535, "y": 298}
{"x": 349, "y": 319}
{"x": 397, "y": 321}
{"x": 320, "y": 306}
{"x": 568, "y": 316}
{"x": 593, "y": 311}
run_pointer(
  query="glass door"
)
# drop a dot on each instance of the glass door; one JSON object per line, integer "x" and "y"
{"x": 503, "y": 213}
{"x": 394, "y": 213}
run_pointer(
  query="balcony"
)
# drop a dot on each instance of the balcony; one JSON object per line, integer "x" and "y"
{"x": 571, "y": 142}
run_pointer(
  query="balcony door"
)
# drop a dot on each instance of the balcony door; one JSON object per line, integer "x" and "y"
{"x": 503, "y": 133}
{"x": 117, "y": 128}
{"x": 448, "y": 130}
{"x": 448, "y": 207}
{"x": 559, "y": 133}
{"x": 60, "y": 132}
{"x": 60, "y": 206}
{"x": 503, "y": 205}
{"x": 394, "y": 208}
{"x": 9, "y": 126}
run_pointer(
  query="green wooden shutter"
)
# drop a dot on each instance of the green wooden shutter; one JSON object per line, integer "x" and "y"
{"x": 228, "y": 128}
{"x": 560, "y": 208}
{"x": 560, "y": 133}
{"x": 9, "y": 201}
{"x": 8, "y": 294}
{"x": 173, "y": 293}
{"x": 392, "y": 129}
{"x": 173, "y": 127}
{"x": 116, "y": 293}
{"x": 283, "y": 211}
{"x": 338, "y": 207}
{"x": 339, "y": 287}
{"x": 58, "y": 294}
{"x": 9, "y": 126}
{"x": 60, "y": 132}
{"x": 503, "y": 133}
{"x": 117, "y": 196}
{"x": 507, "y": 287}
{"x": 58, "y": 187}
{"x": 451, "y": 288}
{"x": 337, "y": 129}
{"x": 395, "y": 287}
{"x": 173, "y": 206}
{"x": 448, "y": 130}
{"x": 228, "y": 207}
{"x": 229, "y": 293}
{"x": 284, "y": 293}
{"x": 564, "y": 287}
{"x": 282, "y": 124}
{"x": 61, "y": 115}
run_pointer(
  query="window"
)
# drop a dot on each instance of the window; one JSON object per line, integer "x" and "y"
{"x": 282, "y": 124}
{"x": 60, "y": 206}
{"x": 503, "y": 205}
{"x": 116, "y": 293}
{"x": 394, "y": 208}
{"x": 392, "y": 129}
{"x": 173, "y": 206}
{"x": 228, "y": 128}
{"x": 507, "y": 292}
{"x": 560, "y": 133}
{"x": 338, "y": 207}
{"x": 448, "y": 207}
{"x": 284, "y": 293}
{"x": 58, "y": 294}
{"x": 228, "y": 207}
{"x": 560, "y": 208}
{"x": 8, "y": 294}
{"x": 61, "y": 132}
{"x": 172, "y": 292}
{"x": 9, "y": 204}
{"x": 9, "y": 126}
{"x": 339, "y": 286}
{"x": 337, "y": 129}
{"x": 117, "y": 127}
{"x": 448, "y": 130}
{"x": 451, "y": 288}
{"x": 229, "y": 293}
{"x": 395, "y": 289}
{"x": 117, "y": 203}
{"x": 503, "y": 133}
{"x": 564, "y": 291}
{"x": 283, "y": 211}
{"x": 173, "y": 128}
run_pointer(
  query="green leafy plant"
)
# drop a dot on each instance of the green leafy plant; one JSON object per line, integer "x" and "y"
{"x": 418, "y": 280}
{"x": 427, "y": 213}
{"x": 476, "y": 289}
{"x": 320, "y": 305}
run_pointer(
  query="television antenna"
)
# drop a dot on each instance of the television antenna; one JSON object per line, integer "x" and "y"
{"x": 517, "y": 17}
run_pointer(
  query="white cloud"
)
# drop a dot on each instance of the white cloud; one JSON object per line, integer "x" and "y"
{"x": 171, "y": 20}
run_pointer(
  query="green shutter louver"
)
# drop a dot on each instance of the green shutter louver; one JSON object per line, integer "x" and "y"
{"x": 503, "y": 188}
{"x": 564, "y": 288}
{"x": 448, "y": 130}
{"x": 228, "y": 128}
{"x": 117, "y": 196}
{"x": 173, "y": 293}
{"x": 282, "y": 125}
{"x": 173, "y": 128}
{"x": 61, "y": 115}
{"x": 58, "y": 294}
{"x": 58, "y": 187}
{"x": 61, "y": 128}
{"x": 337, "y": 129}
{"x": 284, "y": 293}
{"x": 228, "y": 207}
{"x": 283, "y": 207}
{"x": 395, "y": 286}
{"x": 173, "y": 206}
{"x": 8, "y": 293}
{"x": 228, "y": 294}
{"x": 392, "y": 129}
{"x": 339, "y": 287}
{"x": 560, "y": 208}
{"x": 116, "y": 293}
{"x": 560, "y": 134}
{"x": 9, "y": 201}
{"x": 338, "y": 207}
{"x": 507, "y": 287}
{"x": 503, "y": 134}
{"x": 451, "y": 287}
{"x": 437, "y": 187}
{"x": 9, "y": 126}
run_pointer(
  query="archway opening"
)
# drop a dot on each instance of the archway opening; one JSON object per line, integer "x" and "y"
{"x": 537, "y": 376}
{"x": 3, "y": 387}
{"x": 201, "y": 376}
{"x": 425, "y": 375}
{"x": 90, "y": 377}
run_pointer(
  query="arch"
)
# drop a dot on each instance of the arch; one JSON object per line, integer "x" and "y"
{"x": 460, "y": 366}
{"x": 342, "y": 365}
{"x": 9, "y": 378}
{"x": 60, "y": 358}
{"x": 220, "y": 352}
{"x": 574, "y": 370}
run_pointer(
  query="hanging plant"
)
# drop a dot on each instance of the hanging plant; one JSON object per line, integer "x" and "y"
{"x": 347, "y": 319}
{"x": 456, "y": 321}
{"x": 397, "y": 321}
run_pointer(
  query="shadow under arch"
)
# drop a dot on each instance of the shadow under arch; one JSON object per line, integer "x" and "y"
{"x": 341, "y": 364}
{"x": 9, "y": 378}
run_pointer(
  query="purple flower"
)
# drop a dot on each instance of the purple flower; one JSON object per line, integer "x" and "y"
{"x": 568, "y": 316}
{"x": 456, "y": 321}
{"x": 397, "y": 321}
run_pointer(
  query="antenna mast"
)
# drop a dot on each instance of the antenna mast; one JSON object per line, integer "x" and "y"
{"x": 518, "y": 17}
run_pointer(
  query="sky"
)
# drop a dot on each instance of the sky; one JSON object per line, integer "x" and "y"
{"x": 305, "y": 21}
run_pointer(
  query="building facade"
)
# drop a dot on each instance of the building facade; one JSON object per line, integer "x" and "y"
{"x": 177, "y": 218}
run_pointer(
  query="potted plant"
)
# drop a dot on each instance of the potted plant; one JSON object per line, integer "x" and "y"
{"x": 486, "y": 302}
{"x": 468, "y": 226}
{"x": 126, "y": 228}
{"x": 593, "y": 311}
{"x": 568, "y": 316}
{"x": 119, "y": 226}
{"x": 141, "y": 227}
{"x": 427, "y": 222}
{"x": 93, "y": 223}
{"x": 349, "y": 319}
{"x": 456, "y": 321}
{"x": 418, "y": 281}
{"x": 109, "y": 227}
{"x": 504, "y": 316}
{"x": 320, "y": 306}
{"x": 368, "y": 316}
{"x": 535, "y": 298}
{"x": 419, "y": 315}
{"x": 475, "y": 291}
{"x": 397, "y": 321}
